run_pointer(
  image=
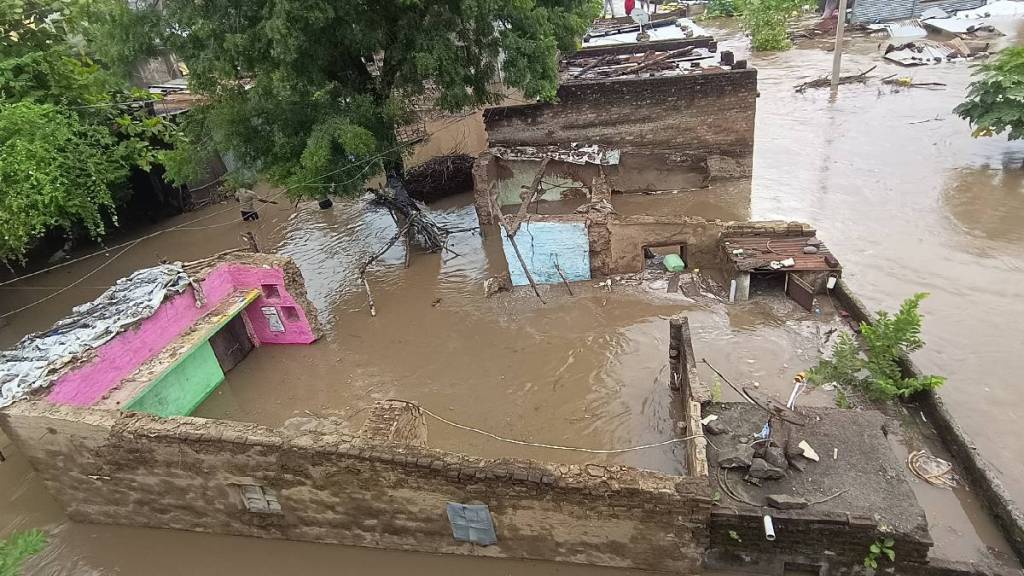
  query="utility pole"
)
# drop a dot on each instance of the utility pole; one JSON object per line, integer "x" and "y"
{"x": 837, "y": 56}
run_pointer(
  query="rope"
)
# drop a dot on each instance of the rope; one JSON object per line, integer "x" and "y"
{"x": 540, "y": 445}
{"x": 69, "y": 286}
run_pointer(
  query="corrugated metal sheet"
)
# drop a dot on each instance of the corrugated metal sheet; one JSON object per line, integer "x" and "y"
{"x": 873, "y": 11}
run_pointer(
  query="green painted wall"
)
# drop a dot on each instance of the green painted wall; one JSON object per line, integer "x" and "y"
{"x": 183, "y": 388}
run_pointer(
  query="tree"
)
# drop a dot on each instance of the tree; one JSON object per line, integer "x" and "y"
{"x": 310, "y": 93}
{"x": 66, "y": 141}
{"x": 995, "y": 100}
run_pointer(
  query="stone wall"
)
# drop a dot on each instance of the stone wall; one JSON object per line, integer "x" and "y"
{"x": 694, "y": 115}
{"x": 315, "y": 480}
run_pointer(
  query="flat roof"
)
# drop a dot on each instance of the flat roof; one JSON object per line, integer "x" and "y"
{"x": 758, "y": 252}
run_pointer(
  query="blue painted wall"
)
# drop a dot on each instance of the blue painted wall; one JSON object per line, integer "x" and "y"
{"x": 541, "y": 243}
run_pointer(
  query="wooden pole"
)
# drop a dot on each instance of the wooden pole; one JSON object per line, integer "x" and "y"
{"x": 495, "y": 209}
{"x": 837, "y": 55}
{"x": 525, "y": 206}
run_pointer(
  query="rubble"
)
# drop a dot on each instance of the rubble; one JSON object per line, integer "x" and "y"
{"x": 759, "y": 468}
{"x": 740, "y": 456}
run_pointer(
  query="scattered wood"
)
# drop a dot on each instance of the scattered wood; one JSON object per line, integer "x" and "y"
{"x": 936, "y": 119}
{"x": 496, "y": 210}
{"x": 645, "y": 65}
{"x": 591, "y": 66}
{"x": 529, "y": 199}
{"x": 826, "y": 81}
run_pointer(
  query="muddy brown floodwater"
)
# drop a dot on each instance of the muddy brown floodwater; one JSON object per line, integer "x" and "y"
{"x": 893, "y": 181}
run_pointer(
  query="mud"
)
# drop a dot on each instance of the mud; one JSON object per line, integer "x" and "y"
{"x": 908, "y": 205}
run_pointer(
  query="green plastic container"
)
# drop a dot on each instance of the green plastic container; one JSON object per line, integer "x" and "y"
{"x": 674, "y": 263}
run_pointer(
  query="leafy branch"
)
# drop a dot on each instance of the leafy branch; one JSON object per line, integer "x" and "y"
{"x": 877, "y": 370}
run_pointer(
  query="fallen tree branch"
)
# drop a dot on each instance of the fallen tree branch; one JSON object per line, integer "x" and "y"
{"x": 362, "y": 269}
{"x": 495, "y": 209}
{"x": 908, "y": 83}
{"x": 564, "y": 279}
{"x": 826, "y": 81}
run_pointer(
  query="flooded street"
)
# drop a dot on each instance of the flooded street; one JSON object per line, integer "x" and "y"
{"x": 893, "y": 181}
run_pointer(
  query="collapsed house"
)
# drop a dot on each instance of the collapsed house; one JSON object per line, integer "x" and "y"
{"x": 640, "y": 118}
{"x": 100, "y": 407}
{"x": 110, "y": 436}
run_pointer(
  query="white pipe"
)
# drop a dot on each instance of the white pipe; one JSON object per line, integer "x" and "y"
{"x": 769, "y": 530}
{"x": 798, "y": 387}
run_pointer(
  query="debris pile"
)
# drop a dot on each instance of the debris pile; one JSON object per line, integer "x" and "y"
{"x": 922, "y": 52}
{"x": 440, "y": 177}
{"x": 649, "y": 63}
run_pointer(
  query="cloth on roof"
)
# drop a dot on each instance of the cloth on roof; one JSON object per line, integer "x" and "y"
{"x": 38, "y": 359}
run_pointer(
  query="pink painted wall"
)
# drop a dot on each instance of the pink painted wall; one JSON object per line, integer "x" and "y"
{"x": 297, "y": 329}
{"x": 123, "y": 354}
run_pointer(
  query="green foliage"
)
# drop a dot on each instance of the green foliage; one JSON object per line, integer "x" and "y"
{"x": 877, "y": 550}
{"x": 889, "y": 338}
{"x": 733, "y": 535}
{"x": 55, "y": 172}
{"x": 719, "y": 8}
{"x": 123, "y": 34}
{"x": 66, "y": 141}
{"x": 311, "y": 93}
{"x": 843, "y": 367}
{"x": 995, "y": 100}
{"x": 767, "y": 20}
{"x": 842, "y": 400}
{"x": 19, "y": 547}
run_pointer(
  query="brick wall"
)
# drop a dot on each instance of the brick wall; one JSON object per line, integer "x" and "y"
{"x": 379, "y": 488}
{"x": 696, "y": 115}
{"x": 839, "y": 540}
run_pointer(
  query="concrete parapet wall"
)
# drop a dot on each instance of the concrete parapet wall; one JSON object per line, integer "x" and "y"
{"x": 380, "y": 488}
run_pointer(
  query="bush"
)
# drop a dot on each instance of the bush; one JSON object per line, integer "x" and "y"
{"x": 995, "y": 100}
{"x": 718, "y": 8}
{"x": 18, "y": 548}
{"x": 767, "y": 22}
{"x": 877, "y": 371}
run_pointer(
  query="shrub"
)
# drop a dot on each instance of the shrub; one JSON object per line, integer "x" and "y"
{"x": 877, "y": 370}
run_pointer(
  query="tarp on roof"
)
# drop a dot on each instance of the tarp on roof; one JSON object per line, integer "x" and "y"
{"x": 38, "y": 359}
